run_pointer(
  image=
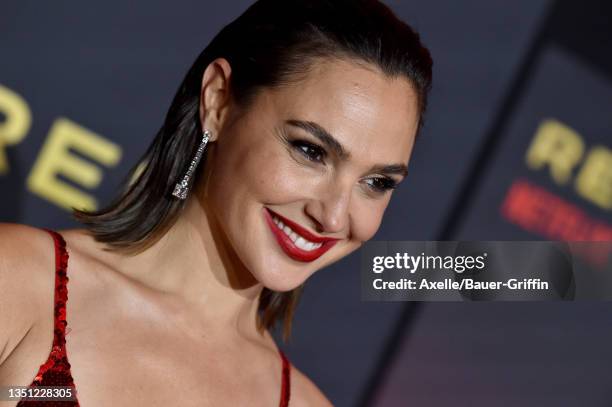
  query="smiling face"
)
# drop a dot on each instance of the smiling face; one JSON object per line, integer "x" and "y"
{"x": 321, "y": 156}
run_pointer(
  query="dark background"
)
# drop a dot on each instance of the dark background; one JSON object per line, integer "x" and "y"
{"x": 501, "y": 69}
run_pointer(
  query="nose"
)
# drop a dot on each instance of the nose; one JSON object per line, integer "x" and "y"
{"x": 329, "y": 209}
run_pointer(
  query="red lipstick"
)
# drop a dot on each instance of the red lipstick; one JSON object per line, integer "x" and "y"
{"x": 287, "y": 244}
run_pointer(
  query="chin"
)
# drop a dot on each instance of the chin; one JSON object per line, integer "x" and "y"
{"x": 276, "y": 259}
{"x": 279, "y": 277}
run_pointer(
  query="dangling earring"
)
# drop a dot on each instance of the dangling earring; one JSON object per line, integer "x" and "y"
{"x": 182, "y": 188}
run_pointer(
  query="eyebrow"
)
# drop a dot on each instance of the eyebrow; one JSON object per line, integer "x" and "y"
{"x": 326, "y": 138}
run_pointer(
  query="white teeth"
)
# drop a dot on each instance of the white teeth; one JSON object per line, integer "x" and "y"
{"x": 298, "y": 240}
{"x": 301, "y": 243}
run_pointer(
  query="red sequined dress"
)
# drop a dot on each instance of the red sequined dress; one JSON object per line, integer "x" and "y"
{"x": 56, "y": 370}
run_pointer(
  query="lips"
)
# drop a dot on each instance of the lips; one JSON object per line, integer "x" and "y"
{"x": 289, "y": 246}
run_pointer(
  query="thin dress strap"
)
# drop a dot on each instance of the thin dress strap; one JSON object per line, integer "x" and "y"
{"x": 286, "y": 386}
{"x": 56, "y": 370}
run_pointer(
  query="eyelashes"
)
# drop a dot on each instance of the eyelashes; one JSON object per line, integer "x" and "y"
{"x": 311, "y": 152}
{"x": 316, "y": 154}
{"x": 383, "y": 184}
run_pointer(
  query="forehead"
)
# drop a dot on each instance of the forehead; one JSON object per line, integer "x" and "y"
{"x": 370, "y": 113}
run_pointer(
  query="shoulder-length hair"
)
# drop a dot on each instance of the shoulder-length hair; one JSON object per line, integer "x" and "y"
{"x": 275, "y": 42}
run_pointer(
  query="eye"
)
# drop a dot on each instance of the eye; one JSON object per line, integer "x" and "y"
{"x": 381, "y": 184}
{"x": 310, "y": 151}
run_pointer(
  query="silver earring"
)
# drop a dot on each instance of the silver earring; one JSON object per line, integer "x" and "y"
{"x": 182, "y": 188}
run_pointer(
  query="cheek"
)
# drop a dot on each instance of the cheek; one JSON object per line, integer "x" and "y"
{"x": 261, "y": 173}
{"x": 366, "y": 217}
{"x": 272, "y": 179}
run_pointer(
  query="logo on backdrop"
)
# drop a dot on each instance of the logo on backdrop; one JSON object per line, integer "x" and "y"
{"x": 70, "y": 163}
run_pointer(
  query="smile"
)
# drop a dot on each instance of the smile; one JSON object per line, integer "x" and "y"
{"x": 296, "y": 241}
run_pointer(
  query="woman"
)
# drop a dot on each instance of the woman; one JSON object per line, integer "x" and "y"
{"x": 277, "y": 157}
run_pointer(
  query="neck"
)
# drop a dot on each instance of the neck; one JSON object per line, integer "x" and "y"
{"x": 194, "y": 265}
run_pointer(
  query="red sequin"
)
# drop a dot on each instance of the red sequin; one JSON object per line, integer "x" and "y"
{"x": 56, "y": 370}
{"x": 286, "y": 386}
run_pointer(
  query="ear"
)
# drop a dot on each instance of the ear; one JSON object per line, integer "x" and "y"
{"x": 215, "y": 96}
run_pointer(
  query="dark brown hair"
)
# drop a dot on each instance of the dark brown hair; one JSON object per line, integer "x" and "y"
{"x": 273, "y": 43}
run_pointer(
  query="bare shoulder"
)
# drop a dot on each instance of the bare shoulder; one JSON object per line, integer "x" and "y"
{"x": 27, "y": 265}
{"x": 27, "y": 254}
{"x": 304, "y": 392}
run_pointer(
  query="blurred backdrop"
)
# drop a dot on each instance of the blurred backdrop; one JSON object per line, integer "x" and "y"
{"x": 517, "y": 146}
